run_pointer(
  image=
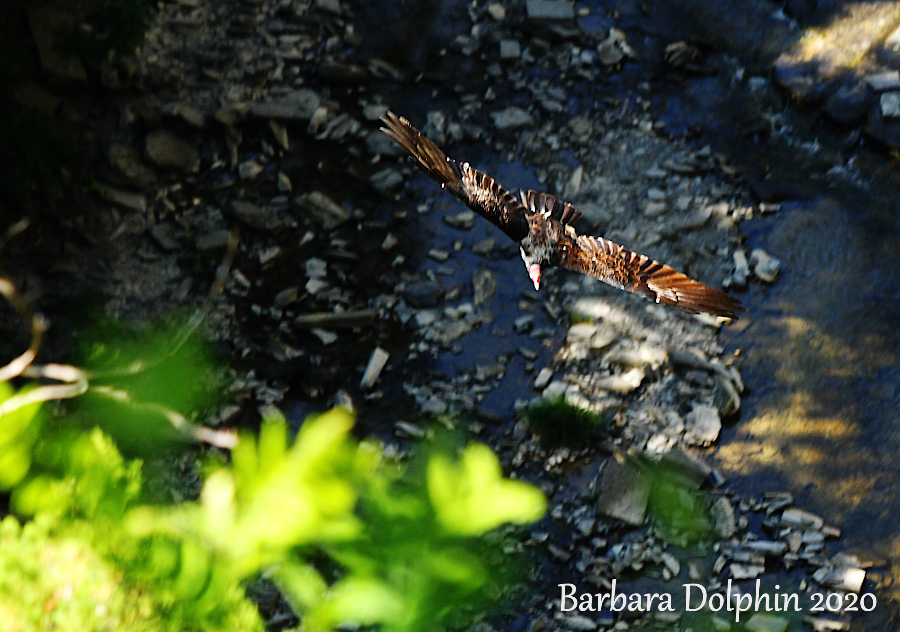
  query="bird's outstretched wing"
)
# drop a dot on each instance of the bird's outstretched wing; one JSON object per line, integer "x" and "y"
{"x": 627, "y": 270}
{"x": 477, "y": 190}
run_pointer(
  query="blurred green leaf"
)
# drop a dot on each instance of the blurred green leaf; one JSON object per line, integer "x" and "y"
{"x": 471, "y": 497}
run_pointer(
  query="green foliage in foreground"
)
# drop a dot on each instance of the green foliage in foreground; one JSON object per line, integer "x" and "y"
{"x": 405, "y": 549}
{"x": 557, "y": 422}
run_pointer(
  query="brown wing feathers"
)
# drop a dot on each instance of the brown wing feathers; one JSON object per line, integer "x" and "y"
{"x": 622, "y": 268}
{"x": 477, "y": 190}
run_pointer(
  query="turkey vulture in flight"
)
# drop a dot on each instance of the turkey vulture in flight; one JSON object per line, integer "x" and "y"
{"x": 541, "y": 225}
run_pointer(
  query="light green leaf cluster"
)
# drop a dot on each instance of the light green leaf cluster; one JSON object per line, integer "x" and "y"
{"x": 405, "y": 543}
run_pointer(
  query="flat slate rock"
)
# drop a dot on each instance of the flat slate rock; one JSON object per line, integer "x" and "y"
{"x": 624, "y": 493}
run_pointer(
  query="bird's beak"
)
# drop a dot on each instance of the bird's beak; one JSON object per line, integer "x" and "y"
{"x": 534, "y": 271}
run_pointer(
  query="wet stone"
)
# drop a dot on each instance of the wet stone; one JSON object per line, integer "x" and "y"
{"x": 512, "y": 119}
{"x": 322, "y": 209}
{"x": 423, "y": 294}
{"x": 621, "y": 382}
{"x": 849, "y": 104}
{"x": 765, "y": 266}
{"x": 213, "y": 240}
{"x": 377, "y": 361}
{"x": 295, "y": 106}
{"x": 763, "y": 622}
{"x": 510, "y": 49}
{"x": 386, "y": 179}
{"x": 549, "y": 10}
{"x": 128, "y": 167}
{"x": 167, "y": 150}
{"x": 463, "y": 220}
{"x": 484, "y": 286}
{"x": 879, "y": 82}
{"x": 624, "y": 493}
{"x": 127, "y": 199}
{"x": 703, "y": 424}
{"x": 543, "y": 378}
{"x": 890, "y": 105}
{"x": 483, "y": 248}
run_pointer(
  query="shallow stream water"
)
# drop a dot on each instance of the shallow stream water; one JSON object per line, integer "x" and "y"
{"x": 820, "y": 348}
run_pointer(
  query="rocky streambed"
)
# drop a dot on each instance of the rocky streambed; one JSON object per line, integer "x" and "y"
{"x": 358, "y": 282}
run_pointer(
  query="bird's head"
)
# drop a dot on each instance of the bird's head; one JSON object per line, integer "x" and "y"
{"x": 535, "y": 264}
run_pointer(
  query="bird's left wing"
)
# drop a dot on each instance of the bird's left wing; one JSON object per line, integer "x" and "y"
{"x": 627, "y": 270}
{"x": 479, "y": 191}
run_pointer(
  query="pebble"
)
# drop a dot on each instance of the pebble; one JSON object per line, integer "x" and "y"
{"x": 624, "y": 492}
{"x": 741, "y": 269}
{"x": 549, "y": 10}
{"x": 322, "y": 209}
{"x": 543, "y": 378}
{"x": 842, "y": 578}
{"x": 765, "y": 266}
{"x": 439, "y": 254}
{"x": 484, "y": 286}
{"x": 890, "y": 104}
{"x": 510, "y": 49}
{"x": 703, "y": 424}
{"x": 463, "y": 220}
{"x": 879, "y": 82}
{"x": 167, "y": 150}
{"x": 422, "y": 294}
{"x": 377, "y": 361}
{"x": 523, "y": 324}
{"x": 621, "y": 382}
{"x": 512, "y": 119}
{"x": 763, "y": 622}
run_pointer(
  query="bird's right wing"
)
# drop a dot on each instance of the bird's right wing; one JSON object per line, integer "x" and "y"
{"x": 477, "y": 190}
{"x": 627, "y": 270}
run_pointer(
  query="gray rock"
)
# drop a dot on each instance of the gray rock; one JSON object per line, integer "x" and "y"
{"x": 523, "y": 324}
{"x": 554, "y": 389}
{"x": 512, "y": 119}
{"x": 764, "y": 622}
{"x": 322, "y": 209}
{"x": 165, "y": 149}
{"x": 549, "y": 10}
{"x": 254, "y": 216}
{"x": 165, "y": 236}
{"x": 423, "y": 294}
{"x": 765, "y": 266}
{"x": 336, "y": 320}
{"x": 798, "y": 518}
{"x": 621, "y": 382}
{"x": 842, "y": 578}
{"x": 624, "y": 492}
{"x": 280, "y": 133}
{"x": 483, "y": 248}
{"x": 134, "y": 201}
{"x": 439, "y": 254}
{"x": 213, "y": 240}
{"x": 484, "y": 286}
{"x": 386, "y": 179}
{"x": 879, "y": 82}
{"x": 724, "y": 519}
{"x": 249, "y": 169}
{"x": 128, "y": 167}
{"x": 703, "y": 424}
{"x": 890, "y": 104}
{"x": 741, "y": 269}
{"x": 849, "y": 104}
{"x": 463, "y": 220}
{"x": 187, "y": 113}
{"x": 331, "y": 6}
{"x": 745, "y": 571}
{"x": 295, "y": 106}
{"x": 510, "y": 49}
{"x": 543, "y": 378}
{"x": 377, "y": 361}
{"x": 284, "y": 182}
